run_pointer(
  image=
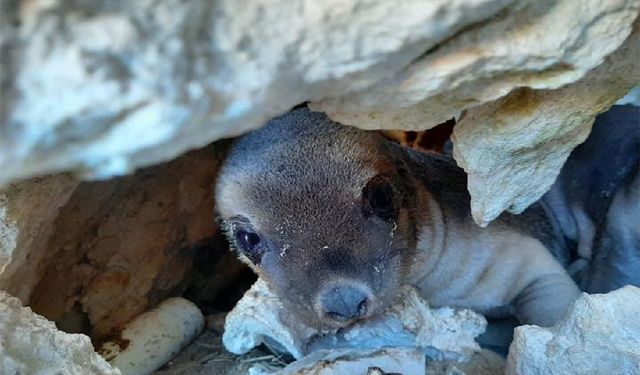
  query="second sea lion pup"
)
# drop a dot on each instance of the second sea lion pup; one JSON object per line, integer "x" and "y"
{"x": 335, "y": 219}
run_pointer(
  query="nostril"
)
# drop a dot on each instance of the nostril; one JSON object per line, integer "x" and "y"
{"x": 362, "y": 308}
{"x": 344, "y": 303}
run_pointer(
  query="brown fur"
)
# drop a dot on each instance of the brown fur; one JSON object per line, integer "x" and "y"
{"x": 299, "y": 185}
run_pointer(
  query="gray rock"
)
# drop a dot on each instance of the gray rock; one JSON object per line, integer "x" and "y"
{"x": 442, "y": 333}
{"x": 513, "y": 148}
{"x": 600, "y": 336}
{"x": 490, "y": 59}
{"x": 355, "y": 361}
{"x": 30, "y": 344}
{"x": 107, "y": 86}
{"x": 104, "y": 87}
{"x": 258, "y": 318}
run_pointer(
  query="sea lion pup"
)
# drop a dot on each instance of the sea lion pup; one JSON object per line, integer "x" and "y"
{"x": 335, "y": 219}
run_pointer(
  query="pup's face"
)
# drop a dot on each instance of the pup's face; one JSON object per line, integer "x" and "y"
{"x": 328, "y": 231}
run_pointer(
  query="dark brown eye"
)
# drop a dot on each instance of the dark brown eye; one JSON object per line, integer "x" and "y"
{"x": 378, "y": 199}
{"x": 248, "y": 243}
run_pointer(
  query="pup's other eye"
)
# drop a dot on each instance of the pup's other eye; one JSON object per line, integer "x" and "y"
{"x": 378, "y": 199}
{"x": 248, "y": 243}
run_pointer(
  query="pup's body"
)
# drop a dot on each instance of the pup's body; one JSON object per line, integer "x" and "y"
{"x": 336, "y": 218}
{"x": 504, "y": 268}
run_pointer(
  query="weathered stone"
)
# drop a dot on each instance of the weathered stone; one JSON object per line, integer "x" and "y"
{"x": 121, "y": 246}
{"x": 355, "y": 361}
{"x": 513, "y": 149}
{"x": 440, "y": 333}
{"x": 27, "y": 213}
{"x": 485, "y": 362}
{"x": 258, "y": 318}
{"x": 105, "y": 87}
{"x": 30, "y": 344}
{"x": 390, "y": 361}
{"x": 600, "y": 336}
{"x": 488, "y": 60}
{"x": 92, "y": 256}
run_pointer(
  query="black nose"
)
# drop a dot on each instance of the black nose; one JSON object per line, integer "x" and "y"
{"x": 344, "y": 303}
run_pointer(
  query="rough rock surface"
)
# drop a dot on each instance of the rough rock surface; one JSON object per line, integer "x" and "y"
{"x": 488, "y": 60}
{"x": 440, "y": 333}
{"x": 30, "y": 344}
{"x": 600, "y": 336}
{"x": 27, "y": 214}
{"x": 207, "y": 356}
{"x": 513, "y": 148}
{"x": 91, "y": 256}
{"x": 121, "y": 246}
{"x": 105, "y": 87}
{"x": 259, "y": 319}
{"x": 355, "y": 361}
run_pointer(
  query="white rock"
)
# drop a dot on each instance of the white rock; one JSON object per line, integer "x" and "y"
{"x": 258, "y": 318}
{"x": 488, "y": 60}
{"x": 382, "y": 361}
{"x": 153, "y": 338}
{"x": 440, "y": 333}
{"x": 102, "y": 90}
{"x": 356, "y": 361}
{"x": 30, "y": 344}
{"x": 105, "y": 89}
{"x": 600, "y": 336}
{"x": 513, "y": 149}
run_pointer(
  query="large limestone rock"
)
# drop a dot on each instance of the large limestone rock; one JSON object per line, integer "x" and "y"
{"x": 600, "y": 336}
{"x": 30, "y": 344}
{"x": 486, "y": 61}
{"x": 105, "y": 87}
{"x": 513, "y": 148}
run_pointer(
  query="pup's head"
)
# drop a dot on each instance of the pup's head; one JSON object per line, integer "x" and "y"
{"x": 319, "y": 211}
